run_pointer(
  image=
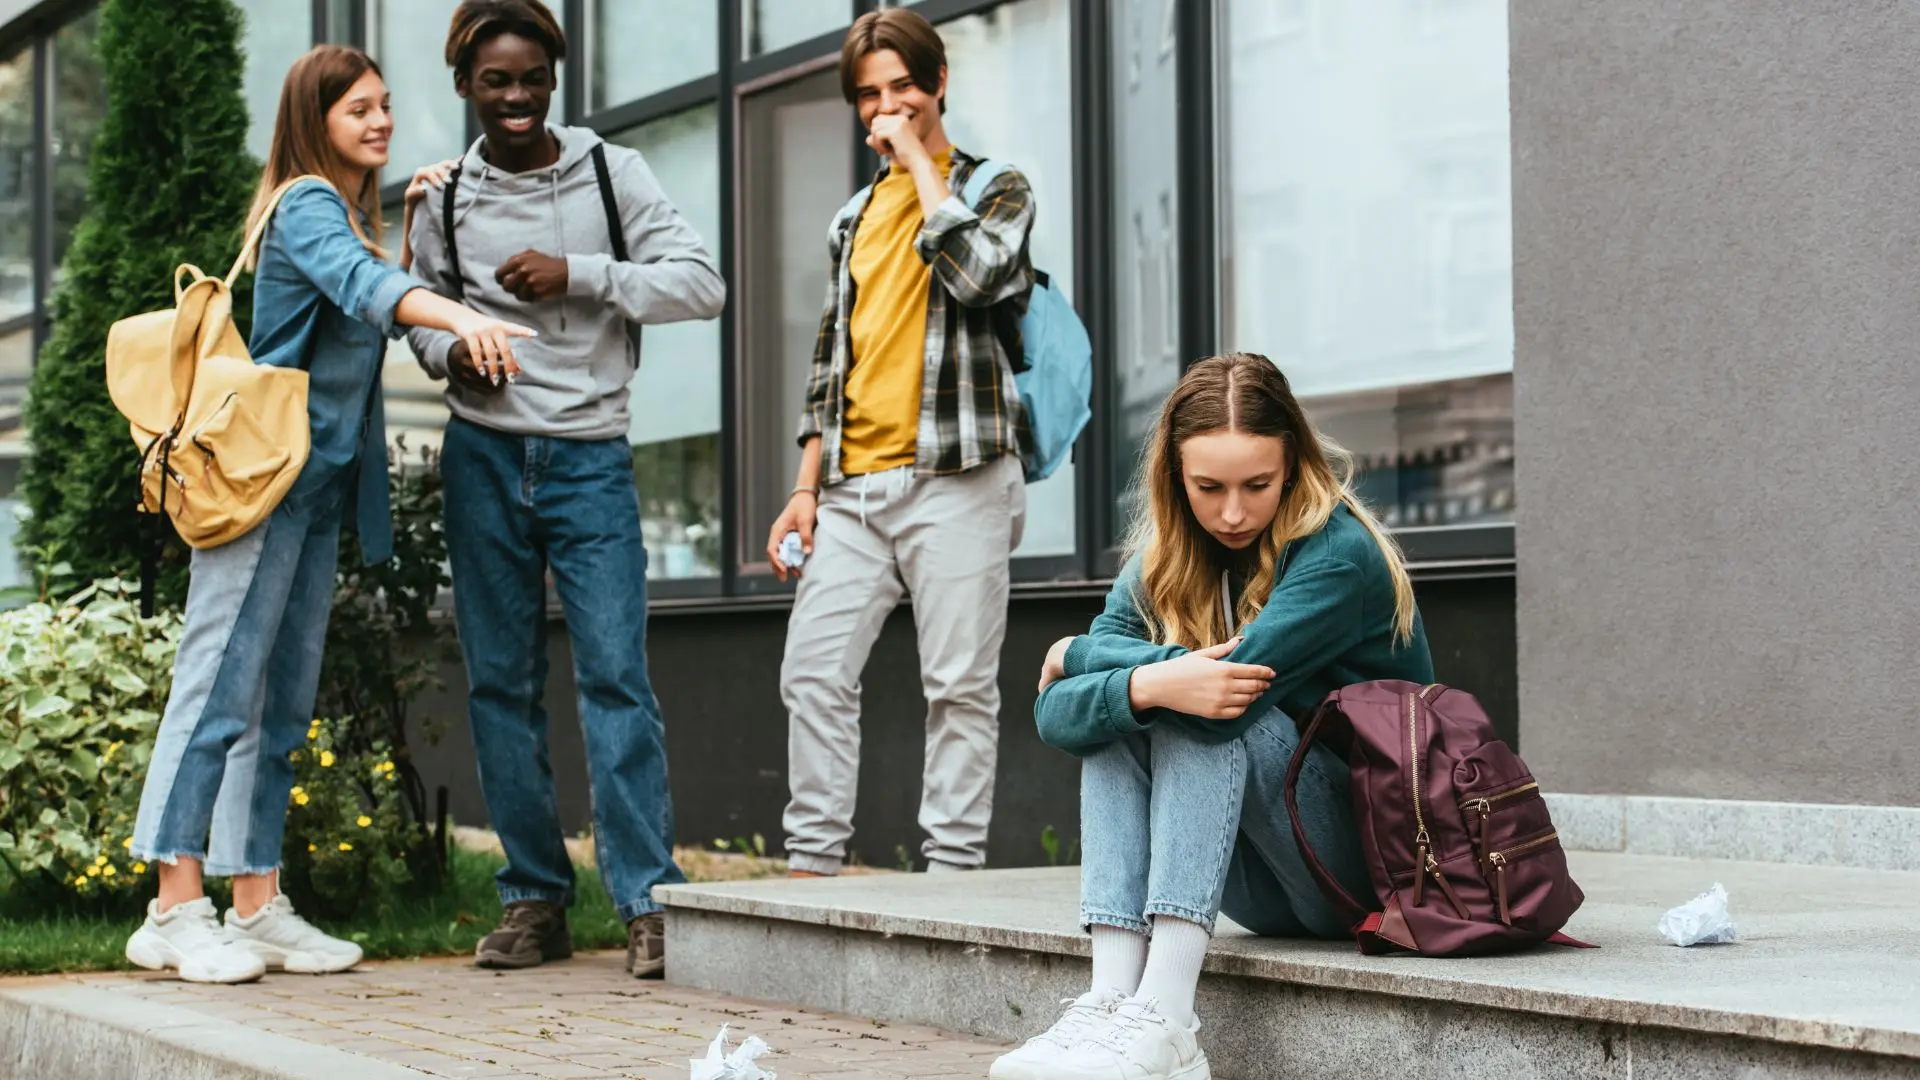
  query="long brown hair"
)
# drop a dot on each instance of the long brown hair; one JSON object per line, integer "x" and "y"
{"x": 314, "y": 85}
{"x": 1179, "y": 577}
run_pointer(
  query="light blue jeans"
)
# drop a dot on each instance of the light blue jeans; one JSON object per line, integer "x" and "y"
{"x": 244, "y": 682}
{"x": 1170, "y": 825}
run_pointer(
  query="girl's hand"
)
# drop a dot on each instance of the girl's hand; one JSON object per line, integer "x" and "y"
{"x": 428, "y": 178}
{"x": 1055, "y": 665}
{"x": 489, "y": 344}
{"x": 1201, "y": 683}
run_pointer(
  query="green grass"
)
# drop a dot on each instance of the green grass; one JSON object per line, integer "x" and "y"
{"x": 449, "y": 923}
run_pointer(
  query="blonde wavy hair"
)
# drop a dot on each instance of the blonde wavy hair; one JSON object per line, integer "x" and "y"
{"x": 301, "y": 146}
{"x": 1179, "y": 573}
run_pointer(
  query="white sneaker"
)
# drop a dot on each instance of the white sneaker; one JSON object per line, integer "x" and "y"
{"x": 189, "y": 939}
{"x": 1135, "y": 1043}
{"x": 1033, "y": 1059}
{"x": 287, "y": 942}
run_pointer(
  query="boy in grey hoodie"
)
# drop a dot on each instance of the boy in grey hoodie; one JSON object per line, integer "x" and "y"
{"x": 575, "y": 238}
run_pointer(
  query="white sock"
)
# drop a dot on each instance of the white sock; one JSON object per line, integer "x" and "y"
{"x": 1119, "y": 956}
{"x": 1174, "y": 957}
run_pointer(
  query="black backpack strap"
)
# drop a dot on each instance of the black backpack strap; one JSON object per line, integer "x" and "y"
{"x": 615, "y": 230}
{"x": 452, "y": 273}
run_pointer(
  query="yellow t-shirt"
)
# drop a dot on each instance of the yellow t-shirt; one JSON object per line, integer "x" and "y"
{"x": 888, "y": 328}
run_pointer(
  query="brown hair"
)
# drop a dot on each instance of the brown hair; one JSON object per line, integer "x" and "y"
{"x": 905, "y": 32}
{"x": 1179, "y": 583}
{"x": 476, "y": 22}
{"x": 313, "y": 86}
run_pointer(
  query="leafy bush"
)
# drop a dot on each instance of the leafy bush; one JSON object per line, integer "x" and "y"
{"x": 84, "y": 684}
{"x": 82, "y": 687}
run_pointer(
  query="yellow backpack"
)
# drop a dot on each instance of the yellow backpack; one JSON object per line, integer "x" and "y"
{"x": 221, "y": 438}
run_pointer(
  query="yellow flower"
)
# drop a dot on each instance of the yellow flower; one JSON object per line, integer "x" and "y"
{"x": 386, "y": 766}
{"x": 93, "y": 871}
{"x": 344, "y": 846}
{"x": 101, "y": 861}
{"x": 313, "y": 847}
{"x": 312, "y": 734}
{"x": 127, "y": 843}
{"x": 108, "y": 872}
{"x": 363, "y": 821}
{"x": 80, "y": 882}
{"x": 326, "y": 759}
{"x": 301, "y": 799}
{"x": 139, "y": 868}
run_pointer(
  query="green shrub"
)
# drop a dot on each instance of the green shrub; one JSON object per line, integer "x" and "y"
{"x": 84, "y": 684}
{"x": 82, "y": 687}
{"x": 169, "y": 181}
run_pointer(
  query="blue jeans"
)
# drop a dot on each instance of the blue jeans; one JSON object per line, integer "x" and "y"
{"x": 244, "y": 681}
{"x": 1173, "y": 826}
{"x": 517, "y": 506}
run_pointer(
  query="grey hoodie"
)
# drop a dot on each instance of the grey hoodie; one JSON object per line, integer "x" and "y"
{"x": 575, "y": 374}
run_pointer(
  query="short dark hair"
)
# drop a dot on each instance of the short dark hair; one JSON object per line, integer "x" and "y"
{"x": 906, "y": 32}
{"x": 476, "y": 22}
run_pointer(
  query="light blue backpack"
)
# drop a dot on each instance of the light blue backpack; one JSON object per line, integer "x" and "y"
{"x": 1056, "y": 384}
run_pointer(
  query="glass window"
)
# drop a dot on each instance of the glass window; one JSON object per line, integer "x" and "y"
{"x": 1010, "y": 97}
{"x": 275, "y": 37}
{"x": 429, "y": 119}
{"x": 795, "y": 170}
{"x": 16, "y": 185}
{"x": 771, "y": 25}
{"x": 675, "y": 398}
{"x": 1146, "y": 353}
{"x": 16, "y": 365}
{"x": 79, "y": 107}
{"x": 641, "y": 47}
{"x": 1367, "y": 236}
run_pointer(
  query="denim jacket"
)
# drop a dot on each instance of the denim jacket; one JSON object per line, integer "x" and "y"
{"x": 320, "y": 296}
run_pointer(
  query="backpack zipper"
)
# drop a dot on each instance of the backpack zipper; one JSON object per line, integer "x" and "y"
{"x": 1484, "y": 806}
{"x": 1422, "y": 861}
{"x": 1500, "y": 859}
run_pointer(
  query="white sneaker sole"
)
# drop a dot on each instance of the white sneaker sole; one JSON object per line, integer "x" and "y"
{"x": 153, "y": 952}
{"x": 296, "y": 962}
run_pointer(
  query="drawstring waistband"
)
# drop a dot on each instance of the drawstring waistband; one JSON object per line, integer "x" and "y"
{"x": 896, "y": 485}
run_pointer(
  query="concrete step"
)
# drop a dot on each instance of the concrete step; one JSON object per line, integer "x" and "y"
{"x": 1823, "y": 983}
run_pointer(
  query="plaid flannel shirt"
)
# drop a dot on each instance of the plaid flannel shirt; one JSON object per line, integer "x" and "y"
{"x": 970, "y": 411}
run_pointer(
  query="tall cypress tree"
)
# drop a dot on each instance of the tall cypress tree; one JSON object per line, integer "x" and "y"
{"x": 169, "y": 182}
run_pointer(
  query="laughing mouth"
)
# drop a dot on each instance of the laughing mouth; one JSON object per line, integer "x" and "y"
{"x": 518, "y": 124}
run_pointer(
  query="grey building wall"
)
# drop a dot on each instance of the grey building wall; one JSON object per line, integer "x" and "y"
{"x": 1717, "y": 303}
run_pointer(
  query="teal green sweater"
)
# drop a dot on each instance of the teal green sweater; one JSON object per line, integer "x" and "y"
{"x": 1327, "y": 624}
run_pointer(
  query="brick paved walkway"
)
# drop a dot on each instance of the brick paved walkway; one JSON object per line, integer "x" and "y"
{"x": 580, "y": 1019}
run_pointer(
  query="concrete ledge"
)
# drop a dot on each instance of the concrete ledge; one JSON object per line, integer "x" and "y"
{"x": 58, "y": 1031}
{"x": 1260, "y": 1027}
{"x": 1827, "y": 961}
{"x": 1810, "y": 834}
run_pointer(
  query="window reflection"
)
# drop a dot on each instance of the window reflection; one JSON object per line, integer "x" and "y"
{"x": 1367, "y": 236}
{"x": 16, "y": 185}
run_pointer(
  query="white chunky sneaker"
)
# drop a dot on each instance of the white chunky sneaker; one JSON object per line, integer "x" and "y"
{"x": 1135, "y": 1043}
{"x": 1033, "y": 1059}
{"x": 189, "y": 939}
{"x": 287, "y": 942}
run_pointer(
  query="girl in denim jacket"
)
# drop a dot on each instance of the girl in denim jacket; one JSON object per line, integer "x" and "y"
{"x": 248, "y": 666}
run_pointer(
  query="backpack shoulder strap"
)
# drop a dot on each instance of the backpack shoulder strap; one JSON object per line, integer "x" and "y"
{"x": 983, "y": 175}
{"x": 615, "y": 230}
{"x": 451, "y": 275}
{"x": 260, "y": 228}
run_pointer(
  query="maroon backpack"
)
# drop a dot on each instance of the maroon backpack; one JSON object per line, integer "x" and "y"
{"x": 1464, "y": 858}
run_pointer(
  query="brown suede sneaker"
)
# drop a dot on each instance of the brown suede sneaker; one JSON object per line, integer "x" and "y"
{"x": 531, "y": 933}
{"x": 647, "y": 947}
